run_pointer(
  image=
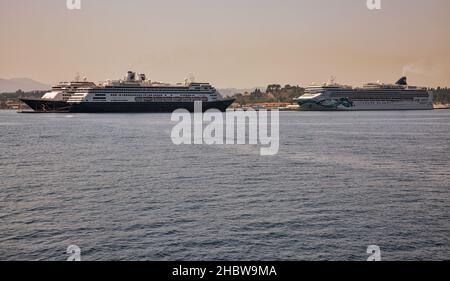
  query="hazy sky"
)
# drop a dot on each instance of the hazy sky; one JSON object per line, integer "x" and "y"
{"x": 229, "y": 43}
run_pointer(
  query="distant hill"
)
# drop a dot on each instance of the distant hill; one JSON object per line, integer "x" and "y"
{"x": 24, "y": 84}
{"x": 229, "y": 92}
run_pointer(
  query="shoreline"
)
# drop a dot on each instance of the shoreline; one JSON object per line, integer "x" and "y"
{"x": 439, "y": 106}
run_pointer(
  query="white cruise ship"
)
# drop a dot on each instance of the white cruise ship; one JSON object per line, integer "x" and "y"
{"x": 372, "y": 96}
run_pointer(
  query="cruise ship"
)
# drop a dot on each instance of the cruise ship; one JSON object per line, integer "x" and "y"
{"x": 130, "y": 94}
{"x": 372, "y": 96}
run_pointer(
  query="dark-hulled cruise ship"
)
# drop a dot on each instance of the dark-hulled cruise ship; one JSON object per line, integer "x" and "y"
{"x": 128, "y": 95}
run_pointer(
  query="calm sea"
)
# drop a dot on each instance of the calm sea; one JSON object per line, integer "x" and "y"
{"x": 117, "y": 187}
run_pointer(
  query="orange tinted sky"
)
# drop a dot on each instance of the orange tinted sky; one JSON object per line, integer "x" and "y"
{"x": 230, "y": 43}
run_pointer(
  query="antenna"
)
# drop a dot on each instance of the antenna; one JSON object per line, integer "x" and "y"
{"x": 191, "y": 78}
{"x": 332, "y": 79}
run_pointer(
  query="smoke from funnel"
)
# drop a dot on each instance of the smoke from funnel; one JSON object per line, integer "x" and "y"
{"x": 412, "y": 68}
{"x": 425, "y": 68}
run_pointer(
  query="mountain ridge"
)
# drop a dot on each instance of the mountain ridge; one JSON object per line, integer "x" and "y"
{"x": 229, "y": 92}
{"x": 22, "y": 83}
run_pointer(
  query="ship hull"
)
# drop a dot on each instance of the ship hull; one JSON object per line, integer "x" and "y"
{"x": 46, "y": 105}
{"x": 49, "y": 106}
{"x": 339, "y": 105}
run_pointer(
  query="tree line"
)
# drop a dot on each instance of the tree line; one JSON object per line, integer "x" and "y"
{"x": 273, "y": 93}
{"x": 442, "y": 95}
